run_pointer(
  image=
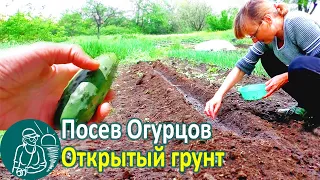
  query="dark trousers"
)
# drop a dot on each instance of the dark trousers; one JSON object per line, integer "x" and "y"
{"x": 304, "y": 79}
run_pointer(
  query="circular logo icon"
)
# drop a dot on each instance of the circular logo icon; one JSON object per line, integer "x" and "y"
{"x": 30, "y": 149}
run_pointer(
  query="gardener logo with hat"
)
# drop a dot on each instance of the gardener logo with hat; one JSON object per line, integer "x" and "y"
{"x": 30, "y": 149}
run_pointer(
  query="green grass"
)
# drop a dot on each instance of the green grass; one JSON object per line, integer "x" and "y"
{"x": 123, "y": 48}
{"x": 137, "y": 47}
{"x": 221, "y": 59}
{"x": 133, "y": 48}
{"x": 224, "y": 60}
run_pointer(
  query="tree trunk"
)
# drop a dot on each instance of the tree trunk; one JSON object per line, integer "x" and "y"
{"x": 98, "y": 34}
{"x": 315, "y": 4}
{"x": 142, "y": 21}
{"x": 306, "y": 9}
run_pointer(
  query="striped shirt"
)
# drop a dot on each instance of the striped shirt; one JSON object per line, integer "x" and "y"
{"x": 301, "y": 37}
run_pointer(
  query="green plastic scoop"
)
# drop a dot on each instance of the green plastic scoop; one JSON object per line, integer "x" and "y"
{"x": 253, "y": 91}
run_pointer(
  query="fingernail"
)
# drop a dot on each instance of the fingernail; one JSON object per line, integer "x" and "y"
{"x": 96, "y": 63}
{"x": 106, "y": 107}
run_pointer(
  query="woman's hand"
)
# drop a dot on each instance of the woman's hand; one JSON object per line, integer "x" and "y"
{"x": 32, "y": 80}
{"x": 213, "y": 106}
{"x": 276, "y": 83}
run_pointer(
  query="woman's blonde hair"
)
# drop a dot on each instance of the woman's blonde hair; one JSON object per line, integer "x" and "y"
{"x": 254, "y": 11}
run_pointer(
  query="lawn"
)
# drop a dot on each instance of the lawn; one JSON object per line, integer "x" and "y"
{"x": 133, "y": 48}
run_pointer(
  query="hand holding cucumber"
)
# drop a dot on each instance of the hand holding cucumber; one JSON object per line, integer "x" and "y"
{"x": 33, "y": 78}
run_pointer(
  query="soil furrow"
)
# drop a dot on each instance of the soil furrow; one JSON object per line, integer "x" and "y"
{"x": 257, "y": 145}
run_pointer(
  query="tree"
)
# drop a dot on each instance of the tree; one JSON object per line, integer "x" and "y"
{"x": 153, "y": 17}
{"x": 141, "y": 7}
{"x": 72, "y": 22}
{"x": 221, "y": 22}
{"x": 156, "y": 21}
{"x": 22, "y": 27}
{"x": 194, "y": 13}
{"x": 304, "y": 5}
{"x": 100, "y": 14}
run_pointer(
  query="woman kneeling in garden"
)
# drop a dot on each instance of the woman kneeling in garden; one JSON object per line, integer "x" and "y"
{"x": 288, "y": 44}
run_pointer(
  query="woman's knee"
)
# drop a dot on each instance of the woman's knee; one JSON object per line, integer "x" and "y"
{"x": 297, "y": 64}
{"x": 305, "y": 63}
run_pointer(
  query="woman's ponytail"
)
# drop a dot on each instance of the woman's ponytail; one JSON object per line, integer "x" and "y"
{"x": 282, "y": 8}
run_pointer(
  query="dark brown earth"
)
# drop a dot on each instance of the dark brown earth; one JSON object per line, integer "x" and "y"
{"x": 258, "y": 144}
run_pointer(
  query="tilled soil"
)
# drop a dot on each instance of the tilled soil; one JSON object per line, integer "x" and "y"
{"x": 257, "y": 143}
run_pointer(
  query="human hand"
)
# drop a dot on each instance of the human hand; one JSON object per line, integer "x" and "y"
{"x": 32, "y": 80}
{"x": 21, "y": 172}
{"x": 275, "y": 84}
{"x": 213, "y": 106}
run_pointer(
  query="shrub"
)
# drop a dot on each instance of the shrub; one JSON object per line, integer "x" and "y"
{"x": 221, "y": 22}
{"x": 22, "y": 28}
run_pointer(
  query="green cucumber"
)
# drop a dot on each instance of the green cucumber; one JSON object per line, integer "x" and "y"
{"x": 85, "y": 91}
{"x": 2, "y": 132}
